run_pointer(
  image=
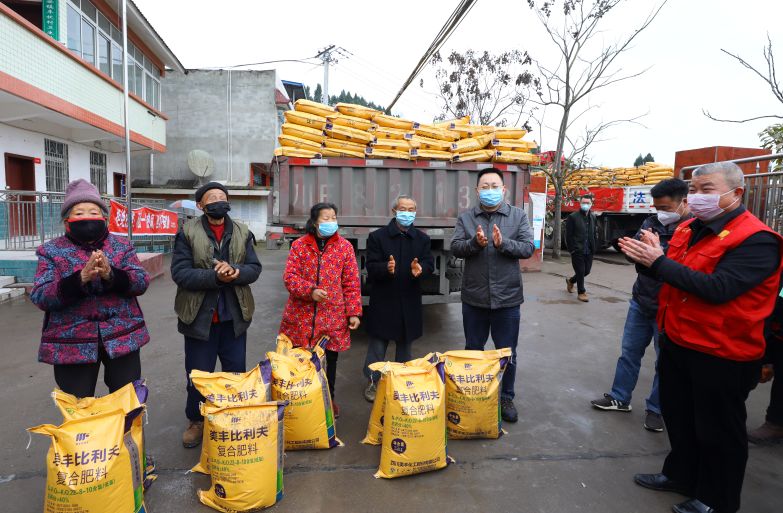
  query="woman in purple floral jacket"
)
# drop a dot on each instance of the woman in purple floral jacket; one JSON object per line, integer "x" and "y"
{"x": 87, "y": 282}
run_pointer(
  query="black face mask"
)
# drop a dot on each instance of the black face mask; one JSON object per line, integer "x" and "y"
{"x": 87, "y": 230}
{"x": 217, "y": 209}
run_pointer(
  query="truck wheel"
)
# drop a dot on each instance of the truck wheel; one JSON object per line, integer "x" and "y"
{"x": 454, "y": 275}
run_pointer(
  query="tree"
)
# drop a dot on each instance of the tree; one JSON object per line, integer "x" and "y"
{"x": 639, "y": 161}
{"x": 575, "y": 27}
{"x": 344, "y": 97}
{"x": 772, "y": 139}
{"x": 493, "y": 89}
{"x": 319, "y": 92}
{"x": 649, "y": 158}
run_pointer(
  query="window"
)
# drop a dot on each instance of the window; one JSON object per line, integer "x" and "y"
{"x": 116, "y": 62}
{"x": 74, "y": 31}
{"x": 56, "y": 165}
{"x": 98, "y": 170}
{"x": 104, "y": 55}
{"x": 88, "y": 42}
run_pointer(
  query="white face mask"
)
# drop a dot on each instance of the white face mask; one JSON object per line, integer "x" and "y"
{"x": 707, "y": 206}
{"x": 667, "y": 218}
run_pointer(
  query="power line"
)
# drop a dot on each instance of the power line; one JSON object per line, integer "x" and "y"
{"x": 448, "y": 28}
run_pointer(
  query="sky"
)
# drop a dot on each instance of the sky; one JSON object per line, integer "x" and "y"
{"x": 681, "y": 51}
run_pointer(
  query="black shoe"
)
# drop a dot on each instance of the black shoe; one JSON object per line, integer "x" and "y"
{"x": 659, "y": 483}
{"x": 653, "y": 422}
{"x": 507, "y": 410}
{"x": 692, "y": 506}
{"x": 610, "y": 403}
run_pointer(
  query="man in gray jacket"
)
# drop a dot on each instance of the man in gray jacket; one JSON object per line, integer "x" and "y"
{"x": 491, "y": 238}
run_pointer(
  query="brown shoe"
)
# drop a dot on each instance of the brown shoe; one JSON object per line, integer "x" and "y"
{"x": 582, "y": 297}
{"x": 192, "y": 436}
{"x": 569, "y": 286}
{"x": 767, "y": 433}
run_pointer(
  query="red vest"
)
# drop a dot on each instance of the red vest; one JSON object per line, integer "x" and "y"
{"x": 733, "y": 330}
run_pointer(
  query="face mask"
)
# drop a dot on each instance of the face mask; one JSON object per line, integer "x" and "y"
{"x": 490, "y": 197}
{"x": 406, "y": 218}
{"x": 86, "y": 229}
{"x": 585, "y": 207}
{"x": 667, "y": 218}
{"x": 706, "y": 206}
{"x": 217, "y": 209}
{"x": 328, "y": 229}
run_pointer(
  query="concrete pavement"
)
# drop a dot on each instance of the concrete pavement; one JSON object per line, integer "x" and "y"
{"x": 562, "y": 456}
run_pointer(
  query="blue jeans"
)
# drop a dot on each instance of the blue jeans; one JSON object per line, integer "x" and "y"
{"x": 504, "y": 325}
{"x": 639, "y": 330}
{"x": 203, "y": 355}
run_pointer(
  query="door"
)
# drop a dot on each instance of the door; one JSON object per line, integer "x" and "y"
{"x": 20, "y": 176}
{"x": 119, "y": 185}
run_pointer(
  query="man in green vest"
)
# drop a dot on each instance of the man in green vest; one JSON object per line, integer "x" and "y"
{"x": 213, "y": 264}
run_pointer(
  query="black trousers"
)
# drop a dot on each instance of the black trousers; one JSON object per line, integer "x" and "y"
{"x": 775, "y": 409}
{"x": 331, "y": 369}
{"x": 582, "y": 265}
{"x": 80, "y": 379}
{"x": 703, "y": 405}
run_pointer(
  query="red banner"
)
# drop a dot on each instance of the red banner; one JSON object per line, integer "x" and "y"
{"x": 605, "y": 199}
{"x": 146, "y": 221}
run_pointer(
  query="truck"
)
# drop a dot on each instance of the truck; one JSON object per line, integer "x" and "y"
{"x": 363, "y": 191}
{"x": 619, "y": 211}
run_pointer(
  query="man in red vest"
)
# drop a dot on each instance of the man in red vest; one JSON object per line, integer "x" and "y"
{"x": 720, "y": 273}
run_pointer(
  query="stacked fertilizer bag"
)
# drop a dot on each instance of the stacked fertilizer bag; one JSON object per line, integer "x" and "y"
{"x": 242, "y": 449}
{"x": 96, "y": 461}
{"x": 315, "y": 130}
{"x": 648, "y": 174}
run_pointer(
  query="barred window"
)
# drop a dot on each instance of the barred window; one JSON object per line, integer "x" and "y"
{"x": 98, "y": 170}
{"x": 56, "y": 165}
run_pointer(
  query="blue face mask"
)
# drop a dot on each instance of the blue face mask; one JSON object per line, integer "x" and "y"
{"x": 406, "y": 218}
{"x": 490, "y": 197}
{"x": 328, "y": 229}
{"x": 585, "y": 207}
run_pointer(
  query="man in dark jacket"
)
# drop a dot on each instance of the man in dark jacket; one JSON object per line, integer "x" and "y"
{"x": 213, "y": 265}
{"x": 640, "y": 324}
{"x": 398, "y": 258}
{"x": 491, "y": 238}
{"x": 582, "y": 242}
{"x": 772, "y": 429}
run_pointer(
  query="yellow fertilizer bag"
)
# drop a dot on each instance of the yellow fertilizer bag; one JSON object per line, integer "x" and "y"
{"x": 383, "y": 132}
{"x": 472, "y": 143}
{"x": 245, "y": 447}
{"x": 383, "y": 120}
{"x": 319, "y": 109}
{"x": 509, "y": 133}
{"x": 128, "y": 399}
{"x": 305, "y": 119}
{"x": 91, "y": 467}
{"x": 515, "y": 157}
{"x": 387, "y": 153}
{"x": 375, "y": 425}
{"x": 351, "y": 121}
{"x": 430, "y": 154}
{"x": 512, "y": 145}
{"x": 358, "y": 111}
{"x": 339, "y": 144}
{"x": 395, "y": 144}
{"x": 296, "y": 142}
{"x": 473, "y": 392}
{"x": 296, "y": 152}
{"x": 342, "y": 154}
{"x": 474, "y": 156}
{"x": 414, "y": 428}
{"x": 434, "y": 132}
{"x": 221, "y": 389}
{"x": 303, "y": 132}
{"x": 450, "y": 124}
{"x": 309, "y": 419}
{"x": 347, "y": 133}
{"x": 427, "y": 143}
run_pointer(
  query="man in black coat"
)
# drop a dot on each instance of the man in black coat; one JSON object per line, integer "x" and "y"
{"x": 582, "y": 243}
{"x": 398, "y": 258}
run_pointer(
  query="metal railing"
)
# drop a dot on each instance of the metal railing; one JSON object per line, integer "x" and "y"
{"x": 763, "y": 191}
{"x": 30, "y": 218}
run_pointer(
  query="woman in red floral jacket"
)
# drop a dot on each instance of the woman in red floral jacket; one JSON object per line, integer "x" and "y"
{"x": 325, "y": 296}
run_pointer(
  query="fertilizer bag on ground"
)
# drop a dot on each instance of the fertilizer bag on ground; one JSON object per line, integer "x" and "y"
{"x": 245, "y": 447}
{"x": 128, "y": 398}
{"x": 414, "y": 427}
{"x": 301, "y": 380}
{"x": 91, "y": 467}
{"x": 473, "y": 392}
{"x": 222, "y": 389}
{"x": 375, "y": 425}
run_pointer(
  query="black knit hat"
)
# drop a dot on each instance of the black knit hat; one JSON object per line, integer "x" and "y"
{"x": 207, "y": 186}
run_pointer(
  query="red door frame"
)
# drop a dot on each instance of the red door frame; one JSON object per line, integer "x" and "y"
{"x": 21, "y": 215}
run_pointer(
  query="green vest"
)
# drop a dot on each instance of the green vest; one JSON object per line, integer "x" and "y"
{"x": 188, "y": 302}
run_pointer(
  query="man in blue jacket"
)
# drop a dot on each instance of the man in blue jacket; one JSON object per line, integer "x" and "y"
{"x": 641, "y": 327}
{"x": 491, "y": 238}
{"x": 213, "y": 264}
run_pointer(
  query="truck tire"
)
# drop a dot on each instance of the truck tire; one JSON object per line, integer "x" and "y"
{"x": 454, "y": 275}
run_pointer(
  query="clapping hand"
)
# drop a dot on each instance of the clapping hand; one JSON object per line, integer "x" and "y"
{"x": 391, "y": 266}
{"x": 91, "y": 269}
{"x": 416, "y": 269}
{"x": 497, "y": 237}
{"x": 481, "y": 239}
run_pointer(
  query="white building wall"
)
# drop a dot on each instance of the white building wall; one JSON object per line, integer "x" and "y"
{"x": 31, "y": 144}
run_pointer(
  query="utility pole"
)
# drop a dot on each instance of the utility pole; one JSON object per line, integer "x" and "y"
{"x": 126, "y": 121}
{"x": 326, "y": 57}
